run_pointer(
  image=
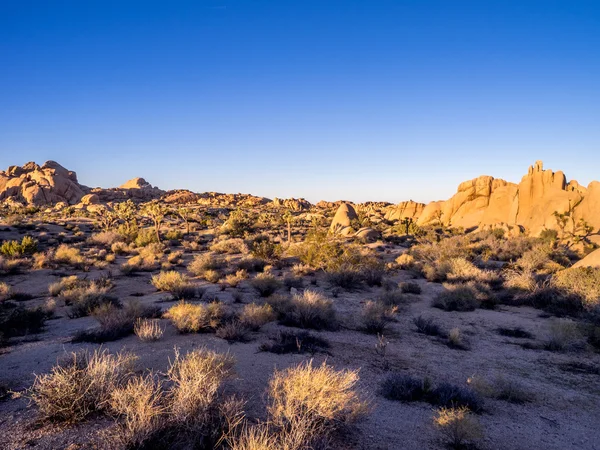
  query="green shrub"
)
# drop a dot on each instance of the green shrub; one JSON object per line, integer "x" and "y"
{"x": 14, "y": 249}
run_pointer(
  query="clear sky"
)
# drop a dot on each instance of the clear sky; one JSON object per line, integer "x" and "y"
{"x": 359, "y": 100}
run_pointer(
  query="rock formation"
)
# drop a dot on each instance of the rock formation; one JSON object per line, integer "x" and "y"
{"x": 405, "y": 210}
{"x": 36, "y": 185}
{"x": 294, "y": 204}
{"x": 342, "y": 220}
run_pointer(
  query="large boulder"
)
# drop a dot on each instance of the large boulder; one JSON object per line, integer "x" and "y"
{"x": 343, "y": 218}
{"x": 591, "y": 260}
{"x": 36, "y": 185}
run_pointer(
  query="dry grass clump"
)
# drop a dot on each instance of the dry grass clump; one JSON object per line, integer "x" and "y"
{"x": 233, "y": 331}
{"x": 252, "y": 264}
{"x": 265, "y": 284}
{"x": 458, "y": 426}
{"x": 409, "y": 287}
{"x": 501, "y": 388}
{"x": 191, "y": 318}
{"x": 72, "y": 256}
{"x": 147, "y": 259}
{"x": 255, "y": 316}
{"x": 307, "y": 403}
{"x": 203, "y": 263}
{"x": 310, "y": 309}
{"x": 457, "y": 340}
{"x": 105, "y": 239}
{"x": 186, "y": 410}
{"x": 148, "y": 330}
{"x": 233, "y": 279}
{"x": 84, "y": 296}
{"x": 116, "y": 322}
{"x": 565, "y": 335}
{"x": 81, "y": 385}
{"x": 375, "y": 316}
{"x": 230, "y": 246}
{"x": 174, "y": 282}
{"x": 583, "y": 282}
{"x": 523, "y": 281}
{"x": 459, "y": 297}
{"x": 428, "y": 326}
{"x": 140, "y": 403}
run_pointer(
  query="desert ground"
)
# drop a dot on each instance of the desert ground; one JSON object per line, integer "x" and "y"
{"x": 219, "y": 321}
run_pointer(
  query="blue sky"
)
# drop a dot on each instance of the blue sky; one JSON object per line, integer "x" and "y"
{"x": 360, "y": 100}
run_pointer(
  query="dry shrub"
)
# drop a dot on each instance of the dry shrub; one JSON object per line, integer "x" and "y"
{"x": 202, "y": 263}
{"x": 459, "y": 297}
{"x": 190, "y": 318}
{"x": 409, "y": 287}
{"x": 255, "y": 316}
{"x": 583, "y": 282}
{"x": 564, "y": 335}
{"x": 258, "y": 437}
{"x": 307, "y": 402}
{"x": 197, "y": 378}
{"x": 265, "y": 284}
{"x": 310, "y": 309}
{"x": 231, "y": 246}
{"x": 458, "y": 426}
{"x": 375, "y": 316}
{"x": 523, "y": 281}
{"x": 428, "y": 326}
{"x": 148, "y": 330}
{"x": 105, "y": 238}
{"x": 84, "y": 296}
{"x": 294, "y": 342}
{"x": 234, "y": 279}
{"x": 140, "y": 403}
{"x": 405, "y": 261}
{"x": 65, "y": 254}
{"x": 81, "y": 385}
{"x": 457, "y": 340}
{"x": 212, "y": 276}
{"x": 234, "y": 331}
{"x": 147, "y": 259}
{"x": 174, "y": 282}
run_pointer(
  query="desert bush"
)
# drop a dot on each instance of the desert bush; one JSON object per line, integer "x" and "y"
{"x": 81, "y": 385}
{"x": 114, "y": 322}
{"x": 261, "y": 247}
{"x": 458, "y": 426}
{"x": 174, "y": 282}
{"x": 405, "y": 388}
{"x": 212, "y": 276}
{"x": 105, "y": 239}
{"x": 310, "y": 309}
{"x": 190, "y": 318}
{"x": 582, "y": 282}
{"x": 202, "y": 263}
{"x": 461, "y": 297}
{"x": 255, "y": 316}
{"x": 140, "y": 404}
{"x": 234, "y": 279}
{"x": 375, "y": 316}
{"x": 146, "y": 236}
{"x": 534, "y": 259}
{"x": 196, "y": 379}
{"x": 148, "y": 329}
{"x": 428, "y": 326}
{"x": 409, "y": 287}
{"x": 84, "y": 296}
{"x": 54, "y": 289}
{"x": 20, "y": 321}
{"x": 72, "y": 256}
{"x": 314, "y": 400}
{"x": 456, "y": 340}
{"x": 523, "y": 281}
{"x": 16, "y": 249}
{"x": 174, "y": 235}
{"x": 565, "y": 335}
{"x": 256, "y": 438}
{"x": 295, "y": 342}
{"x": 348, "y": 278}
{"x": 233, "y": 331}
{"x": 251, "y": 264}
{"x": 238, "y": 224}
{"x": 405, "y": 261}
{"x": 265, "y": 284}
{"x": 230, "y": 246}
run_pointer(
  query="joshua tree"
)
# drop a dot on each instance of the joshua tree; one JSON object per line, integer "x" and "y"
{"x": 186, "y": 214}
{"x": 156, "y": 212}
{"x": 126, "y": 212}
{"x": 107, "y": 217}
{"x": 288, "y": 217}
